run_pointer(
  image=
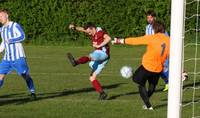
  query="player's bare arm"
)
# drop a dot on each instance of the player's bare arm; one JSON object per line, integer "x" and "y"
{"x": 80, "y": 29}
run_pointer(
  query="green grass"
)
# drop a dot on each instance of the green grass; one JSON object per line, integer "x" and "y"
{"x": 65, "y": 92}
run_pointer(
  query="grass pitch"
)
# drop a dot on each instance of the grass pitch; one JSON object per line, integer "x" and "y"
{"x": 64, "y": 91}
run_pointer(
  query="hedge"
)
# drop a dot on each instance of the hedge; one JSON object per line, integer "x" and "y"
{"x": 46, "y": 21}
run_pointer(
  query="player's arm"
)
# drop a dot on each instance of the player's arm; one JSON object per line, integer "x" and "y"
{"x": 107, "y": 39}
{"x": 143, "y": 40}
{"x": 20, "y": 35}
{"x": 80, "y": 29}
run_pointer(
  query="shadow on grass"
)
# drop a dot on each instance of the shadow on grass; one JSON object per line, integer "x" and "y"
{"x": 189, "y": 102}
{"x": 11, "y": 99}
{"x": 127, "y": 94}
{"x": 160, "y": 106}
{"x": 11, "y": 95}
{"x": 191, "y": 85}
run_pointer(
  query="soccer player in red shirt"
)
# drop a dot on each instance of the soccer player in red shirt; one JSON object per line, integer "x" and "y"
{"x": 98, "y": 58}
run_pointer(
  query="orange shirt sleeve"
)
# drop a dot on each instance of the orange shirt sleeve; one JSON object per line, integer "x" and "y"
{"x": 143, "y": 40}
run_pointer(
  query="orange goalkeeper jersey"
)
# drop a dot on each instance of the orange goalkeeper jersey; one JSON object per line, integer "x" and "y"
{"x": 157, "y": 50}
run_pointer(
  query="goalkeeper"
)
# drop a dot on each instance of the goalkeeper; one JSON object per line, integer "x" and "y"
{"x": 151, "y": 18}
{"x": 152, "y": 61}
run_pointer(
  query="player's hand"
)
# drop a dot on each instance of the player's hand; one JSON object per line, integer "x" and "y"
{"x": 95, "y": 45}
{"x": 72, "y": 26}
{"x": 117, "y": 41}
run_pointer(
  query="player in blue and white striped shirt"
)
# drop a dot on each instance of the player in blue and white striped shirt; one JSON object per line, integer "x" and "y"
{"x": 14, "y": 58}
{"x": 151, "y": 17}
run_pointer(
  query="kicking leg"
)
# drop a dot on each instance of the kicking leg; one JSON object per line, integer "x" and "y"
{"x": 81, "y": 60}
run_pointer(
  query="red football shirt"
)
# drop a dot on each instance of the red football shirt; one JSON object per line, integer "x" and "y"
{"x": 98, "y": 39}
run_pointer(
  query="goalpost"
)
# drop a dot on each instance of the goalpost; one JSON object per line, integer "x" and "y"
{"x": 176, "y": 57}
{"x": 179, "y": 16}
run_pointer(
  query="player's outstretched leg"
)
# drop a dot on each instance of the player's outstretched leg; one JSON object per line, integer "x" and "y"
{"x": 81, "y": 60}
{"x": 71, "y": 59}
{"x": 30, "y": 84}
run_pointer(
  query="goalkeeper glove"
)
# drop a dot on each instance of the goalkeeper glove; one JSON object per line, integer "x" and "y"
{"x": 118, "y": 41}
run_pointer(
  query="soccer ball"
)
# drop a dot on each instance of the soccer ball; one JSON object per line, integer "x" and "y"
{"x": 126, "y": 72}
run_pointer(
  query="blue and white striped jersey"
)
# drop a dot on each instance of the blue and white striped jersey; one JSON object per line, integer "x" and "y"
{"x": 12, "y": 35}
{"x": 150, "y": 31}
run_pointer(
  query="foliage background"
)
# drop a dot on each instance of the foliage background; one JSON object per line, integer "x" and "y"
{"x": 46, "y": 21}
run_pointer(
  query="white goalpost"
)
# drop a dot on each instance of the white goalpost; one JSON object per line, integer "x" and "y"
{"x": 181, "y": 19}
{"x": 176, "y": 57}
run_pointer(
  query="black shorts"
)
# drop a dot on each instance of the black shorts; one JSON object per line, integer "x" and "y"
{"x": 141, "y": 75}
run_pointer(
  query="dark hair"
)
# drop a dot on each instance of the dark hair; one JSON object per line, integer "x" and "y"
{"x": 158, "y": 27}
{"x": 89, "y": 25}
{"x": 5, "y": 11}
{"x": 151, "y": 13}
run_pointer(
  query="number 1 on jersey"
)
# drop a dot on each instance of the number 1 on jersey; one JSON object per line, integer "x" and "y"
{"x": 163, "y": 48}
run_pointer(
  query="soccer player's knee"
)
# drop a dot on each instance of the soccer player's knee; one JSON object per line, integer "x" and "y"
{"x": 93, "y": 57}
{"x": 91, "y": 78}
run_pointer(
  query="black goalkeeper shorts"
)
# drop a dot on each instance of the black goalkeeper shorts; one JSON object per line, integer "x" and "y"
{"x": 141, "y": 75}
